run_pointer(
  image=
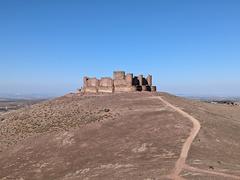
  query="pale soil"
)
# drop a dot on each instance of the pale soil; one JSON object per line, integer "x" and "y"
{"x": 181, "y": 162}
{"x": 142, "y": 141}
{"x": 216, "y": 148}
{"x": 120, "y": 136}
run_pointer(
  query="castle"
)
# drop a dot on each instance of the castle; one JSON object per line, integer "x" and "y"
{"x": 121, "y": 82}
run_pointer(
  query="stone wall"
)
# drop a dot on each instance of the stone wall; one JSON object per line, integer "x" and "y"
{"x": 121, "y": 82}
{"x": 106, "y": 85}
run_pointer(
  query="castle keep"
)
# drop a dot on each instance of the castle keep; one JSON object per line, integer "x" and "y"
{"x": 121, "y": 82}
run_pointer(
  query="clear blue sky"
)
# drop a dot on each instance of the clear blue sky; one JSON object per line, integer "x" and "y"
{"x": 190, "y": 46}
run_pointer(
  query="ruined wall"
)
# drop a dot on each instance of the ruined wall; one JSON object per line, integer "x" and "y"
{"x": 117, "y": 75}
{"x": 149, "y": 80}
{"x": 129, "y": 79}
{"x": 121, "y": 82}
{"x": 106, "y": 85}
{"x": 153, "y": 88}
{"x": 91, "y": 85}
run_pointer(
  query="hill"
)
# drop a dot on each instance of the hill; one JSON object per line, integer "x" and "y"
{"x": 121, "y": 136}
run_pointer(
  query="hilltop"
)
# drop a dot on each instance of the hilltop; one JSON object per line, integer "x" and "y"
{"x": 120, "y": 136}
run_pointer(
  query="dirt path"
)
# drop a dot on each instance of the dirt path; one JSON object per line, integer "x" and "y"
{"x": 179, "y": 166}
{"x": 181, "y": 162}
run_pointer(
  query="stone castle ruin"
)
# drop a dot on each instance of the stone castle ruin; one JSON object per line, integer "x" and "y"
{"x": 121, "y": 82}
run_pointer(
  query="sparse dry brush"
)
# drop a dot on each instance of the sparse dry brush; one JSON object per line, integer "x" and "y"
{"x": 50, "y": 116}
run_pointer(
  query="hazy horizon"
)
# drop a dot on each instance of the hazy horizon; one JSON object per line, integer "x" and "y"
{"x": 190, "y": 47}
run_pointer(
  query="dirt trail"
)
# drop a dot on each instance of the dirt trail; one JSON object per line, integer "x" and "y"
{"x": 181, "y": 162}
{"x": 179, "y": 166}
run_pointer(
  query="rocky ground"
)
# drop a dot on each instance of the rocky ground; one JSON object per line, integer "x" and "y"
{"x": 116, "y": 136}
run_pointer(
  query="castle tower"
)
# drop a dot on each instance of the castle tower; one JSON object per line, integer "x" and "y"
{"x": 149, "y": 80}
{"x": 129, "y": 79}
{"x": 118, "y": 75}
{"x": 140, "y": 79}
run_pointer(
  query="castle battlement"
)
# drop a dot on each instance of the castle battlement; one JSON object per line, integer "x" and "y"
{"x": 121, "y": 82}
